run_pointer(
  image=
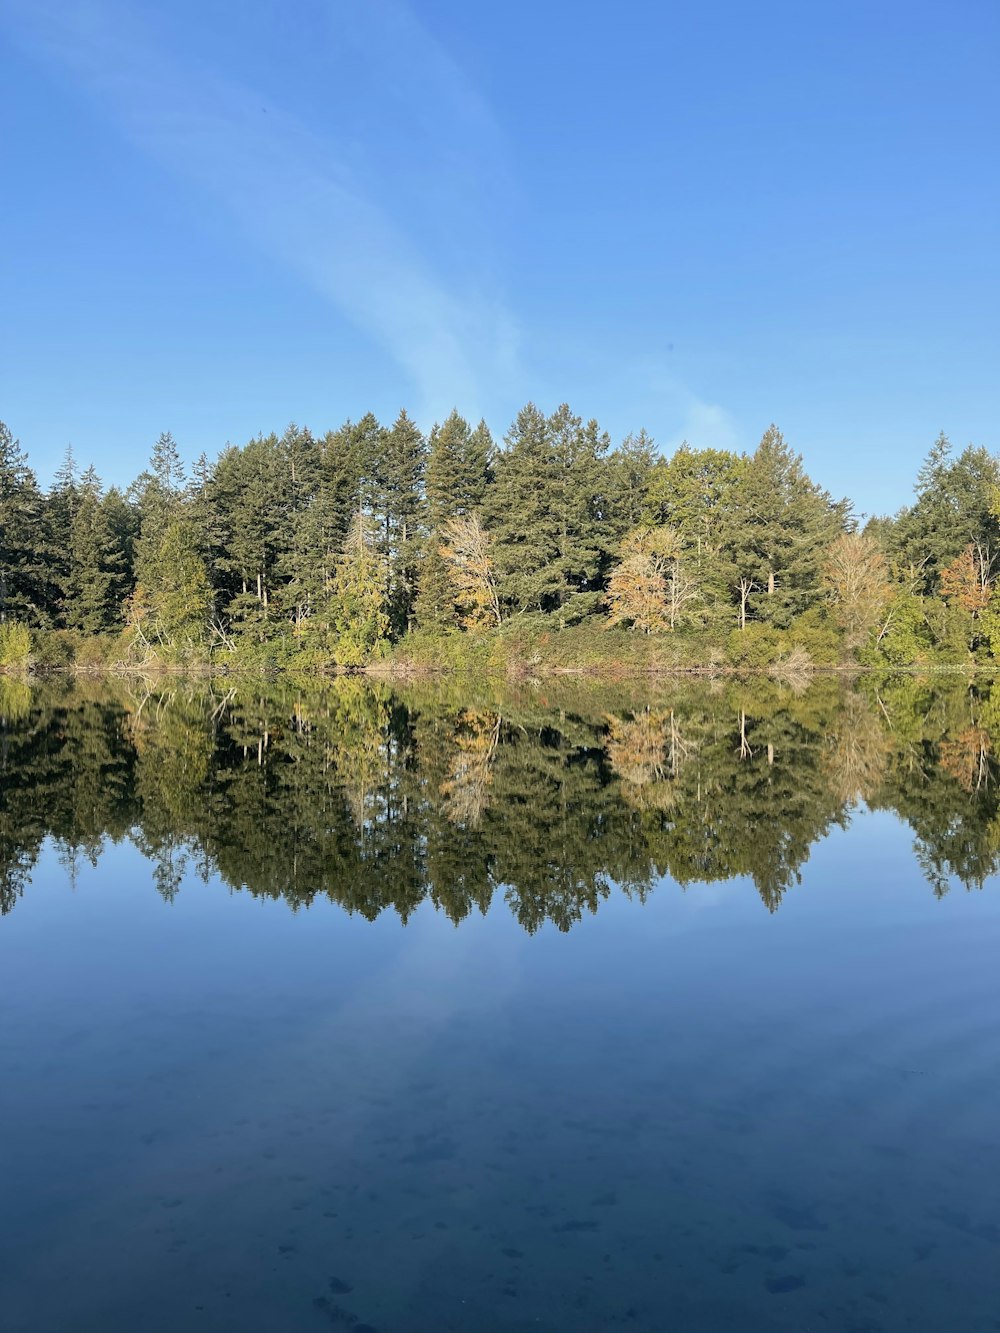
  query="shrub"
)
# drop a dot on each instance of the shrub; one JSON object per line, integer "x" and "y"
{"x": 96, "y": 652}
{"x": 15, "y": 646}
{"x": 755, "y": 646}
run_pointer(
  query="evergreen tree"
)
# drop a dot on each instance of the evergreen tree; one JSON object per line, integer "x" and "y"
{"x": 547, "y": 515}
{"x": 631, "y": 469}
{"x": 459, "y": 461}
{"x": 61, "y": 506}
{"x": 780, "y": 530}
{"x": 698, "y": 493}
{"x": 171, "y": 607}
{"x": 359, "y": 617}
{"x": 96, "y": 581}
{"x": 123, "y": 524}
{"x": 955, "y": 507}
{"x": 459, "y": 467}
{"x": 28, "y": 591}
{"x": 157, "y": 494}
{"x": 249, "y": 487}
{"x": 400, "y": 508}
{"x": 434, "y": 607}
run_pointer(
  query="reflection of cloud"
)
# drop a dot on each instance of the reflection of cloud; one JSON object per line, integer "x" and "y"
{"x": 309, "y": 198}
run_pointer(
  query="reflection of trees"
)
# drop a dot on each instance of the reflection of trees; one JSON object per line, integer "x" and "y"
{"x": 941, "y": 776}
{"x": 856, "y": 751}
{"x": 65, "y": 773}
{"x": 646, "y": 751}
{"x": 377, "y": 800}
{"x": 465, "y": 790}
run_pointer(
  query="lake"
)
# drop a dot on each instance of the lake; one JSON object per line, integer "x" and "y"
{"x": 542, "y": 1006}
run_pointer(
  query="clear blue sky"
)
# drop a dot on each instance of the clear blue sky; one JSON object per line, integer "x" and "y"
{"x": 221, "y": 216}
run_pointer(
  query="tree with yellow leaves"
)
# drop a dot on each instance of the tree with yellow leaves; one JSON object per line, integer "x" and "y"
{"x": 650, "y": 589}
{"x": 466, "y": 551}
{"x": 856, "y": 579}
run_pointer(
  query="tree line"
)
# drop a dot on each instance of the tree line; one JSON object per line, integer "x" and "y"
{"x": 327, "y": 549}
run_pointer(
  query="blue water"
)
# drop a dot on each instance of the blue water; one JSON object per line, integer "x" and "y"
{"x": 688, "y": 1114}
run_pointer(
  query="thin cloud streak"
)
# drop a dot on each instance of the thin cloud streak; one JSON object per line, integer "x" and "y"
{"x": 289, "y": 193}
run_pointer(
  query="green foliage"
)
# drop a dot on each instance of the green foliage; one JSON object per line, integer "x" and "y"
{"x": 96, "y": 579}
{"x": 546, "y": 514}
{"x": 904, "y": 637}
{"x": 359, "y": 617}
{"x": 245, "y": 562}
{"x": 780, "y": 529}
{"x": 15, "y": 646}
{"x": 756, "y": 646}
{"x": 28, "y": 587}
{"x": 459, "y": 466}
{"x": 956, "y": 498}
{"x": 171, "y": 611}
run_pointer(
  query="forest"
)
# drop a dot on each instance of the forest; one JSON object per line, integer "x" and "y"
{"x": 550, "y": 801}
{"x": 374, "y": 543}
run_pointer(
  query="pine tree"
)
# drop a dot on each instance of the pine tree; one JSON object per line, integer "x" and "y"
{"x": 60, "y": 506}
{"x": 434, "y": 607}
{"x": 249, "y": 487}
{"x": 171, "y": 607}
{"x": 697, "y": 493}
{"x": 955, "y": 506}
{"x": 157, "y": 494}
{"x": 359, "y": 617}
{"x": 631, "y": 468}
{"x": 459, "y": 462}
{"x": 399, "y": 509}
{"x": 780, "y": 529}
{"x": 123, "y": 524}
{"x": 28, "y": 591}
{"x": 547, "y": 514}
{"x": 96, "y": 569}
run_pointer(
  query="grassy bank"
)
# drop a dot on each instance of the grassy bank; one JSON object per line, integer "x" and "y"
{"x": 526, "y": 647}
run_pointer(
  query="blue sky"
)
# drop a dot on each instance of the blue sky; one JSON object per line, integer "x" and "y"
{"x": 220, "y": 217}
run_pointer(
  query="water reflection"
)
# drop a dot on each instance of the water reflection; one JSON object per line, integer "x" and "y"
{"x": 547, "y": 796}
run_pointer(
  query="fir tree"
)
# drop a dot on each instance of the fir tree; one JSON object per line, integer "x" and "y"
{"x": 171, "y": 606}
{"x": 28, "y": 590}
{"x": 157, "y": 494}
{"x": 359, "y": 617}
{"x": 400, "y": 509}
{"x": 547, "y": 516}
{"x": 630, "y": 469}
{"x": 780, "y": 530}
{"x": 96, "y": 567}
{"x": 459, "y": 463}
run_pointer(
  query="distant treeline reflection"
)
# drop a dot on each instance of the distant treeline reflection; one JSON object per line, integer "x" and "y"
{"x": 550, "y": 797}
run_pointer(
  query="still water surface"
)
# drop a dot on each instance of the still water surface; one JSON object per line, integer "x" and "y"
{"x": 556, "y": 1010}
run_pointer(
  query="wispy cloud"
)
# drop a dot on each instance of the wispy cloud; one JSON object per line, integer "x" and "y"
{"x": 654, "y": 395}
{"x": 298, "y": 191}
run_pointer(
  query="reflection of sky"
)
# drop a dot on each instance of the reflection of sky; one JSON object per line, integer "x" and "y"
{"x": 222, "y": 1095}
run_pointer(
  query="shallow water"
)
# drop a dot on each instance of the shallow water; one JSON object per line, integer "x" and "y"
{"x": 498, "y": 1070}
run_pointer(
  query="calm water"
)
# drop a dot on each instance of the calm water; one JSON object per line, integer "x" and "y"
{"x": 545, "y": 1010}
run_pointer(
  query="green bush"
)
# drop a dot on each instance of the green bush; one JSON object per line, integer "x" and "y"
{"x": 15, "y": 646}
{"x": 755, "y": 646}
{"x": 97, "y": 652}
{"x": 815, "y": 632}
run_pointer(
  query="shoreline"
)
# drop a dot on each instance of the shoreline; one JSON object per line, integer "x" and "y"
{"x": 519, "y": 672}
